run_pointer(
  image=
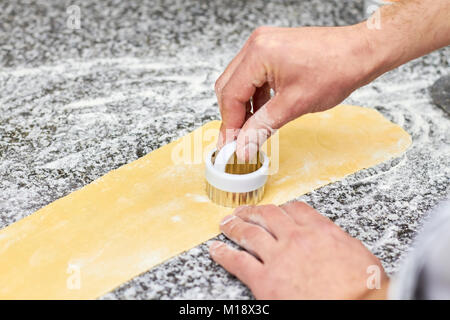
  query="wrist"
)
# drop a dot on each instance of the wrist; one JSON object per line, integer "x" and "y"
{"x": 374, "y": 56}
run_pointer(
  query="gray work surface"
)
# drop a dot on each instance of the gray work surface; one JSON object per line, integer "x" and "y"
{"x": 76, "y": 104}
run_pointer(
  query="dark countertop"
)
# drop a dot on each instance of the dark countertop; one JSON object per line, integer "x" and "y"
{"x": 76, "y": 104}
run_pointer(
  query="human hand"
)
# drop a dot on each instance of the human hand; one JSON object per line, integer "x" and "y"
{"x": 296, "y": 254}
{"x": 309, "y": 70}
{"x": 314, "y": 68}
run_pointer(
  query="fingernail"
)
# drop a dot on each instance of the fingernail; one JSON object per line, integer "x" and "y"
{"x": 251, "y": 149}
{"x": 227, "y": 219}
{"x": 226, "y": 136}
{"x": 219, "y": 140}
{"x": 215, "y": 245}
{"x": 248, "y": 152}
{"x": 240, "y": 153}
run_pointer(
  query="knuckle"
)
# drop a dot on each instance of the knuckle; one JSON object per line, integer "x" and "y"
{"x": 240, "y": 257}
{"x": 226, "y": 94}
{"x": 236, "y": 231}
{"x": 269, "y": 208}
{"x": 261, "y": 30}
{"x": 218, "y": 85}
{"x": 300, "y": 206}
{"x": 264, "y": 41}
{"x": 250, "y": 233}
{"x": 259, "y": 45}
{"x": 295, "y": 236}
{"x": 258, "y": 37}
{"x": 291, "y": 205}
{"x": 244, "y": 211}
{"x": 267, "y": 211}
{"x": 328, "y": 227}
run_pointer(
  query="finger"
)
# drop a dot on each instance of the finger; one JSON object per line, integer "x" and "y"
{"x": 229, "y": 70}
{"x": 303, "y": 214}
{"x": 226, "y": 75}
{"x": 241, "y": 86}
{"x": 223, "y": 79}
{"x": 270, "y": 217}
{"x": 228, "y": 134}
{"x": 239, "y": 263}
{"x": 250, "y": 236}
{"x": 278, "y": 111}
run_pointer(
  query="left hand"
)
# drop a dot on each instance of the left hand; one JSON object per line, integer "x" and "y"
{"x": 293, "y": 252}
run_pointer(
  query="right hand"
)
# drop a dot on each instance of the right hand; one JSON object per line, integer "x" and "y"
{"x": 310, "y": 69}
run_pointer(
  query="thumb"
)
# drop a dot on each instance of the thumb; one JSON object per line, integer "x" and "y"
{"x": 261, "y": 125}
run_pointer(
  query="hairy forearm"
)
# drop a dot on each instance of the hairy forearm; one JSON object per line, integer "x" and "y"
{"x": 405, "y": 30}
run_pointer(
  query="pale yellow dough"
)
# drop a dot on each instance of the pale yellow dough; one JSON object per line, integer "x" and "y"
{"x": 135, "y": 217}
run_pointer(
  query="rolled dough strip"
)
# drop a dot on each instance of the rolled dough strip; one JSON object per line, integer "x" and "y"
{"x": 135, "y": 217}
